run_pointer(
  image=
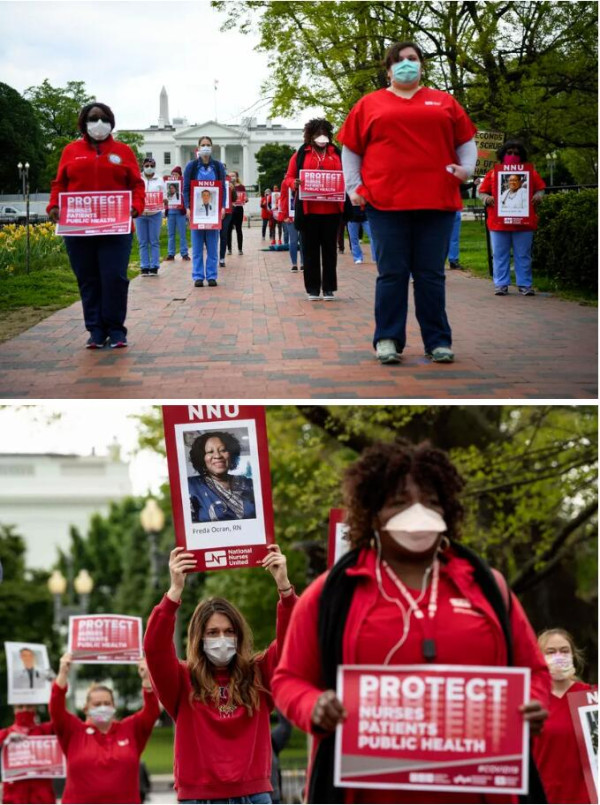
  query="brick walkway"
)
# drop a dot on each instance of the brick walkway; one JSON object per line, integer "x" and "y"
{"x": 256, "y": 336}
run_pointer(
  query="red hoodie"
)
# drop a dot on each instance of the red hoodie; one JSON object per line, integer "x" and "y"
{"x": 32, "y": 790}
{"x": 557, "y": 755}
{"x": 217, "y": 755}
{"x": 108, "y": 165}
{"x": 102, "y": 767}
{"x": 467, "y": 633}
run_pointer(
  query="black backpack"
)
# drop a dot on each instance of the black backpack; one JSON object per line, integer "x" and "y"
{"x": 334, "y": 605}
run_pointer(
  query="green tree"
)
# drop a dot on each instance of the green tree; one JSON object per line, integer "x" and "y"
{"x": 135, "y": 141}
{"x": 20, "y": 141}
{"x": 272, "y": 160}
{"x": 528, "y": 69}
{"x": 57, "y": 110}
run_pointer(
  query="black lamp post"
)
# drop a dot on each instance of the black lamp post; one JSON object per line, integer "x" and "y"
{"x": 24, "y": 176}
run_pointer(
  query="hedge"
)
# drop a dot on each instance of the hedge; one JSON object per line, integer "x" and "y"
{"x": 565, "y": 246}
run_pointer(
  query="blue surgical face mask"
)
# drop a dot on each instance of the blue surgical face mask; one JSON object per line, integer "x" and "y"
{"x": 406, "y": 71}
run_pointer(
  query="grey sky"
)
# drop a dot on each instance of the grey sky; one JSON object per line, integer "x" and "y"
{"x": 126, "y": 51}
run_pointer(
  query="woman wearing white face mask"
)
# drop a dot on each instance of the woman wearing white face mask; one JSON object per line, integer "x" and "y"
{"x": 97, "y": 162}
{"x": 103, "y": 754}
{"x": 150, "y": 222}
{"x": 406, "y": 593}
{"x": 318, "y": 221}
{"x": 556, "y": 751}
{"x": 220, "y": 698}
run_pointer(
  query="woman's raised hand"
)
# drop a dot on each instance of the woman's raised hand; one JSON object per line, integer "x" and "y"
{"x": 180, "y": 563}
{"x": 276, "y": 563}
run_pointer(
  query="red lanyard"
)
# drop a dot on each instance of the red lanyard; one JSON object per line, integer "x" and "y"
{"x": 428, "y": 645}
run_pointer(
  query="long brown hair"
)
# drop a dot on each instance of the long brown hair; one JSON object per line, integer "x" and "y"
{"x": 244, "y": 682}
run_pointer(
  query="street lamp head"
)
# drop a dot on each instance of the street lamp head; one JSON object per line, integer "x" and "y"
{"x": 57, "y": 584}
{"x": 27, "y": 166}
{"x": 20, "y": 166}
{"x": 152, "y": 517}
{"x": 84, "y": 583}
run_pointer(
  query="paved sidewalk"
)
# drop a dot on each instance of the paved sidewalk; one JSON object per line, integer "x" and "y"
{"x": 256, "y": 336}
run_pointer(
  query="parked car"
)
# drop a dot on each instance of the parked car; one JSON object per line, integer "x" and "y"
{"x": 9, "y": 214}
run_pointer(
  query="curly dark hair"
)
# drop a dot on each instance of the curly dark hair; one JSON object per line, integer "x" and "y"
{"x": 199, "y": 446}
{"x": 501, "y": 152}
{"x": 316, "y": 125}
{"x": 82, "y": 119}
{"x": 381, "y": 471}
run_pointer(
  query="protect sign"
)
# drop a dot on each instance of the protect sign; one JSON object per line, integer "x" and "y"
{"x": 34, "y": 757}
{"x": 94, "y": 213}
{"x": 103, "y": 638}
{"x": 583, "y": 706}
{"x": 322, "y": 185}
{"x": 433, "y": 728}
{"x": 218, "y": 460}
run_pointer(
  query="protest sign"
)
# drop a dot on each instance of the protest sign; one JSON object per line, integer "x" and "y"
{"x": 291, "y": 203}
{"x": 322, "y": 185}
{"x": 241, "y": 198}
{"x": 174, "y": 194}
{"x": 218, "y": 459}
{"x": 487, "y": 142}
{"x": 337, "y": 545}
{"x": 114, "y": 639}
{"x": 34, "y": 757}
{"x": 29, "y": 673}
{"x": 205, "y": 204}
{"x": 433, "y": 728}
{"x": 512, "y": 191}
{"x": 154, "y": 201}
{"x": 583, "y": 706}
{"x": 228, "y": 203}
{"x": 94, "y": 213}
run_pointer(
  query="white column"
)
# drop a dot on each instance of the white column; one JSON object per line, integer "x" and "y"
{"x": 246, "y": 165}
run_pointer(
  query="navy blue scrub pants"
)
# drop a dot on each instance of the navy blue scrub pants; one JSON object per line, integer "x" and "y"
{"x": 411, "y": 242}
{"x": 100, "y": 264}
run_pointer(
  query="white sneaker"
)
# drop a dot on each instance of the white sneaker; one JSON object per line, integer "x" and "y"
{"x": 358, "y": 262}
{"x": 386, "y": 351}
{"x": 314, "y": 297}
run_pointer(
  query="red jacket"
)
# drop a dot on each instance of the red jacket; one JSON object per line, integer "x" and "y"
{"x": 102, "y": 767}
{"x": 471, "y": 635}
{"x": 557, "y": 755}
{"x": 217, "y": 755}
{"x": 332, "y": 162}
{"x": 32, "y": 791}
{"x": 265, "y": 208}
{"x": 108, "y": 165}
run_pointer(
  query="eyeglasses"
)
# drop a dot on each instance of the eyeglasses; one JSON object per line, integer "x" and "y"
{"x": 96, "y": 118}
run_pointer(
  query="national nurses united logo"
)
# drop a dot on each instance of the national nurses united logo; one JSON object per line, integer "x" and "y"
{"x": 215, "y": 558}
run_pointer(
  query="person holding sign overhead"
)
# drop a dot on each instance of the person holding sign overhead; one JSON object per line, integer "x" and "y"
{"x": 555, "y": 750}
{"x": 318, "y": 221}
{"x": 407, "y": 592}
{"x": 512, "y": 202}
{"x": 34, "y": 789}
{"x": 97, "y": 162}
{"x": 220, "y": 697}
{"x": 103, "y": 754}
{"x": 407, "y": 148}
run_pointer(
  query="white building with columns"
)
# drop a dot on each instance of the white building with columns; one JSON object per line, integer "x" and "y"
{"x": 174, "y": 143}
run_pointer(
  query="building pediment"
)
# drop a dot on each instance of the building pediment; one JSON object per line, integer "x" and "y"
{"x": 211, "y": 128}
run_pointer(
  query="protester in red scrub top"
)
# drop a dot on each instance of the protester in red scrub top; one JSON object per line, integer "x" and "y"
{"x": 93, "y": 163}
{"x": 404, "y": 516}
{"x": 103, "y": 754}
{"x": 555, "y": 750}
{"x": 406, "y": 151}
{"x": 26, "y": 724}
{"x": 220, "y": 699}
{"x": 318, "y": 221}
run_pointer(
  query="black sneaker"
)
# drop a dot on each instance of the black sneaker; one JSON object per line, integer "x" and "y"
{"x": 185, "y": 257}
{"x": 153, "y": 272}
{"x": 526, "y": 290}
{"x": 294, "y": 268}
{"x": 221, "y": 263}
{"x": 94, "y": 343}
{"x": 212, "y": 283}
{"x": 301, "y": 268}
{"x": 229, "y": 251}
{"x": 121, "y": 343}
{"x": 454, "y": 264}
{"x": 240, "y": 252}
{"x": 171, "y": 257}
{"x": 145, "y": 272}
{"x": 198, "y": 283}
{"x": 501, "y": 291}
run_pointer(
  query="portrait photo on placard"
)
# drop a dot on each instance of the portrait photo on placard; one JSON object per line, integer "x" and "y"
{"x": 220, "y": 480}
{"x": 173, "y": 193}
{"x": 206, "y": 209}
{"x": 513, "y": 193}
{"x": 29, "y": 673}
